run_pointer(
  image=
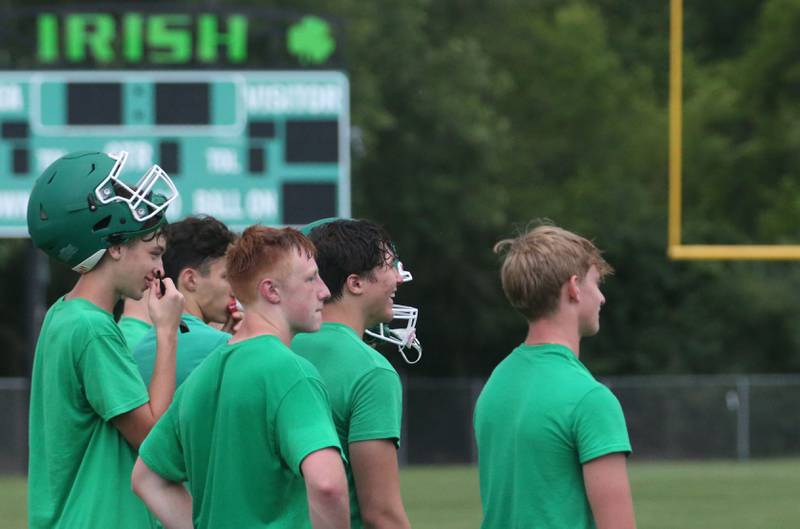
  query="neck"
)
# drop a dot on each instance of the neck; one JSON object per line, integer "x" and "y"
{"x": 552, "y": 330}
{"x": 137, "y": 309}
{"x": 260, "y": 321}
{"x": 191, "y": 306}
{"x": 92, "y": 287}
{"x": 346, "y": 314}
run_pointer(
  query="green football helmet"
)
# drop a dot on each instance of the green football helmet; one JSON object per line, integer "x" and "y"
{"x": 79, "y": 207}
{"x": 308, "y": 228}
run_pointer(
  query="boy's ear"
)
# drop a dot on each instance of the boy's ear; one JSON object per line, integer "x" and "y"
{"x": 354, "y": 284}
{"x": 115, "y": 251}
{"x": 573, "y": 289}
{"x": 268, "y": 289}
{"x": 188, "y": 279}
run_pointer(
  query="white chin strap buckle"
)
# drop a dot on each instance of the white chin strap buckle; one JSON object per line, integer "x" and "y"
{"x": 409, "y": 342}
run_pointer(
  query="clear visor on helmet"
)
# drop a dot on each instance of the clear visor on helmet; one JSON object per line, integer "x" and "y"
{"x": 141, "y": 198}
{"x": 401, "y": 331}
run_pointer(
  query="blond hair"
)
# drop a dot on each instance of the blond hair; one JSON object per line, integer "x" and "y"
{"x": 539, "y": 261}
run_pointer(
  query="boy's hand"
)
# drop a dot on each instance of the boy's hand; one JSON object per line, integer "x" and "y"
{"x": 164, "y": 303}
{"x": 235, "y": 316}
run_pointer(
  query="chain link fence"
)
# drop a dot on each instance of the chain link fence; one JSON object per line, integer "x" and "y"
{"x": 13, "y": 425}
{"x": 669, "y": 417}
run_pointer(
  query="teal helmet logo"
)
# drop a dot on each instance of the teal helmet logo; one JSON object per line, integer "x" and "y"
{"x": 80, "y": 206}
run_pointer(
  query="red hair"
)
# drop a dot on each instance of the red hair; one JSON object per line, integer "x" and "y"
{"x": 259, "y": 251}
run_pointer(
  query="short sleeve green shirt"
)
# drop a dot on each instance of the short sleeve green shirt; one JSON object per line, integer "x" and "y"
{"x": 133, "y": 329}
{"x": 365, "y": 390}
{"x": 539, "y": 418}
{"x": 238, "y": 430}
{"x": 80, "y": 464}
{"x": 191, "y": 349}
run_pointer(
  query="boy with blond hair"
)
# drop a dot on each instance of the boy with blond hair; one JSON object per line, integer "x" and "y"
{"x": 552, "y": 441}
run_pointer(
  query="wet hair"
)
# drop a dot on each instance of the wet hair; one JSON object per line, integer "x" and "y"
{"x": 539, "y": 261}
{"x": 261, "y": 250}
{"x": 346, "y": 247}
{"x": 193, "y": 243}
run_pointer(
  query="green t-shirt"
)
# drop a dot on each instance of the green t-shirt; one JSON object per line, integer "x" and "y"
{"x": 133, "y": 329}
{"x": 238, "y": 430}
{"x": 365, "y": 390}
{"x": 539, "y": 418}
{"x": 191, "y": 349}
{"x": 80, "y": 464}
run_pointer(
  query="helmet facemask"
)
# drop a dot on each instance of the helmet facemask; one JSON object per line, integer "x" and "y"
{"x": 403, "y": 333}
{"x": 151, "y": 195}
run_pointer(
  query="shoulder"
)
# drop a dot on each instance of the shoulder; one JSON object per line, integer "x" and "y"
{"x": 299, "y": 365}
{"x": 79, "y": 310}
{"x": 552, "y": 374}
{"x": 202, "y": 335}
{"x": 340, "y": 345}
{"x": 215, "y": 334}
{"x": 146, "y": 344}
{"x": 197, "y": 326}
{"x": 81, "y": 322}
{"x": 367, "y": 359}
{"x": 127, "y": 321}
{"x": 597, "y": 397}
{"x": 270, "y": 357}
{"x": 265, "y": 369}
{"x": 582, "y": 384}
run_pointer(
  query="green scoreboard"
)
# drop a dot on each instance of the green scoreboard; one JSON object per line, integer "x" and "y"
{"x": 269, "y": 147}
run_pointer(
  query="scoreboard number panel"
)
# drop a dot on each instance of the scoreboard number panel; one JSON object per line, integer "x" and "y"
{"x": 244, "y": 146}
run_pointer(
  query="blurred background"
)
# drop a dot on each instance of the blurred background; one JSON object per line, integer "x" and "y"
{"x": 468, "y": 120}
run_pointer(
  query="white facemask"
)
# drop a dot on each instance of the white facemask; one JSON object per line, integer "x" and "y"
{"x": 154, "y": 181}
{"x": 401, "y": 331}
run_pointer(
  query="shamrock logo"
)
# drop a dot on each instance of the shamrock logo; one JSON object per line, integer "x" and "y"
{"x": 310, "y": 40}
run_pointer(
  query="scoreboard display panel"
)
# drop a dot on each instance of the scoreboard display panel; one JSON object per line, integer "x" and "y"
{"x": 244, "y": 146}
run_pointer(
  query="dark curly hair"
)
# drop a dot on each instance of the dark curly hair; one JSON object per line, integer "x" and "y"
{"x": 347, "y": 247}
{"x": 193, "y": 243}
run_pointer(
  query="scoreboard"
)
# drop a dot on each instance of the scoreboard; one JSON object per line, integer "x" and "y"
{"x": 247, "y": 147}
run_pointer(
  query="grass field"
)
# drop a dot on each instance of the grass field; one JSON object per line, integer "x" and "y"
{"x": 674, "y": 495}
{"x": 667, "y": 495}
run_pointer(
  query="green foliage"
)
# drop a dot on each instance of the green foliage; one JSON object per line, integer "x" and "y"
{"x": 473, "y": 117}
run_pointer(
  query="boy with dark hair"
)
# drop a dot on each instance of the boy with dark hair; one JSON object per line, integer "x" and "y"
{"x": 358, "y": 263}
{"x": 552, "y": 440}
{"x": 195, "y": 261}
{"x": 89, "y": 409}
{"x": 251, "y": 429}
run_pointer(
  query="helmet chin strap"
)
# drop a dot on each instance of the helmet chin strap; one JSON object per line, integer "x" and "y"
{"x": 411, "y": 342}
{"x": 403, "y": 337}
{"x": 90, "y": 262}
